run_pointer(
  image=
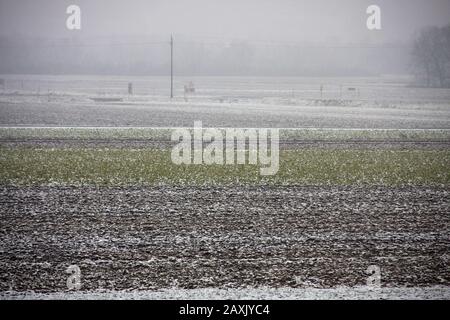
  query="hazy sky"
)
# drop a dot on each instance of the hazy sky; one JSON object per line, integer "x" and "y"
{"x": 280, "y": 20}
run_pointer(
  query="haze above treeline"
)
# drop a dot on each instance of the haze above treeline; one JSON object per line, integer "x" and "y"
{"x": 246, "y": 37}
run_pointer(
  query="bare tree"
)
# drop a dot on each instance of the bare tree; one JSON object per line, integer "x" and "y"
{"x": 431, "y": 56}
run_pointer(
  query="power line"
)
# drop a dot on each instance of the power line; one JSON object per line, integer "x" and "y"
{"x": 298, "y": 45}
{"x": 171, "y": 66}
{"x": 76, "y": 45}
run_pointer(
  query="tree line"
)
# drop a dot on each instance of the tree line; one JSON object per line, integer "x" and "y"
{"x": 431, "y": 57}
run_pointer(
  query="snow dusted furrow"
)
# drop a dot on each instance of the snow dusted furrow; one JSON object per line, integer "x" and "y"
{"x": 167, "y": 144}
{"x": 260, "y": 293}
{"x": 154, "y": 238}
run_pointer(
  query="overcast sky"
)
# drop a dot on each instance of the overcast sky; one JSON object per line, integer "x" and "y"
{"x": 278, "y": 20}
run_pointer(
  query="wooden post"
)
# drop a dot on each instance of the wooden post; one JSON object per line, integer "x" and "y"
{"x": 171, "y": 66}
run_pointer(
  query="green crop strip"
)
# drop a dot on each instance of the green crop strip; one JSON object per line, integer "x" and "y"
{"x": 29, "y": 166}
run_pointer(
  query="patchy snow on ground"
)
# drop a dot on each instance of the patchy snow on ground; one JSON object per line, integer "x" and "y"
{"x": 259, "y": 238}
{"x": 263, "y": 293}
{"x": 223, "y": 102}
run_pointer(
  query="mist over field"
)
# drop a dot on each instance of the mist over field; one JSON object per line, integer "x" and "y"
{"x": 220, "y": 38}
{"x": 241, "y": 149}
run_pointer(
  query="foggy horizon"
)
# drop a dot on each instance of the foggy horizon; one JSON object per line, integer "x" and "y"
{"x": 297, "y": 21}
{"x": 242, "y": 151}
{"x": 213, "y": 38}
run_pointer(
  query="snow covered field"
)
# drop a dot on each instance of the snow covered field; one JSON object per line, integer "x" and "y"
{"x": 224, "y": 102}
{"x": 340, "y": 293}
{"x": 345, "y": 198}
{"x": 151, "y": 238}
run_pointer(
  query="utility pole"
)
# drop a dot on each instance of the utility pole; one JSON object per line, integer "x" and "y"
{"x": 171, "y": 66}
